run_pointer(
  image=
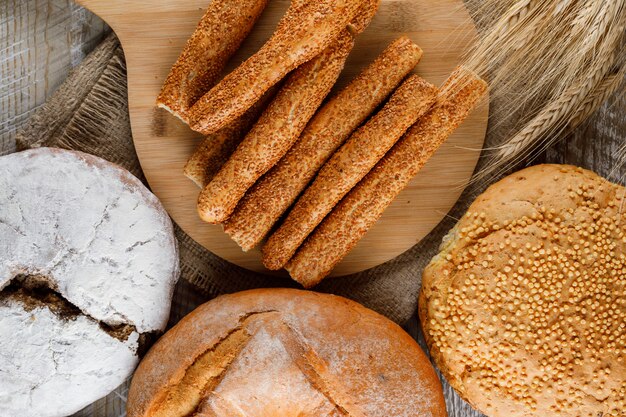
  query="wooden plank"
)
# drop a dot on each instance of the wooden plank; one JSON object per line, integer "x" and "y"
{"x": 40, "y": 40}
{"x": 599, "y": 144}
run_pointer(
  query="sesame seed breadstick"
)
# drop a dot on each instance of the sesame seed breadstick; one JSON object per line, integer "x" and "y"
{"x": 214, "y": 150}
{"x": 276, "y": 191}
{"x": 364, "y": 16}
{"x": 275, "y": 132}
{"x": 348, "y": 166}
{"x": 303, "y": 33}
{"x": 219, "y": 34}
{"x": 212, "y": 153}
{"x": 364, "y": 205}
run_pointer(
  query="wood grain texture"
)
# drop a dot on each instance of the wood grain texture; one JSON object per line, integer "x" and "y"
{"x": 153, "y": 33}
{"x": 599, "y": 144}
{"x": 40, "y": 42}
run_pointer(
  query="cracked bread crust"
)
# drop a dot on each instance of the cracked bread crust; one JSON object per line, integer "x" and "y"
{"x": 523, "y": 308}
{"x": 93, "y": 229}
{"x": 88, "y": 262}
{"x": 282, "y": 352}
{"x": 53, "y": 367}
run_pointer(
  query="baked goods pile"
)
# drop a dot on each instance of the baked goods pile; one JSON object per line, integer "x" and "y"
{"x": 281, "y": 165}
{"x": 524, "y": 308}
{"x": 285, "y": 352}
{"x": 88, "y": 263}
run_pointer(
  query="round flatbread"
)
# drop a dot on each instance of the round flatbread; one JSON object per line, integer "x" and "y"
{"x": 524, "y": 308}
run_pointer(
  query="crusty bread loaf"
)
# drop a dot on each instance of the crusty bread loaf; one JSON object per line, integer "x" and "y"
{"x": 88, "y": 264}
{"x": 523, "y": 308}
{"x": 283, "y": 352}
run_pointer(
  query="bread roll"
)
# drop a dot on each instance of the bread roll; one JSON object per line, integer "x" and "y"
{"x": 88, "y": 262}
{"x": 283, "y": 352}
{"x": 523, "y": 308}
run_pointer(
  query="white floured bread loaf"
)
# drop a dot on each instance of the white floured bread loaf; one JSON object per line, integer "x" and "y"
{"x": 282, "y": 353}
{"x": 88, "y": 262}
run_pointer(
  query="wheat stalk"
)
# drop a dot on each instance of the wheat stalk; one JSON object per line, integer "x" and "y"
{"x": 598, "y": 26}
{"x": 555, "y": 114}
{"x": 550, "y": 65}
{"x": 602, "y": 93}
{"x": 515, "y": 14}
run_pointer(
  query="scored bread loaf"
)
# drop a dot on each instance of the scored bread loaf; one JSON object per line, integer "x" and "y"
{"x": 281, "y": 352}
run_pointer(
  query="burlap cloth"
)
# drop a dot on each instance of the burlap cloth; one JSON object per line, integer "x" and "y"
{"x": 89, "y": 112}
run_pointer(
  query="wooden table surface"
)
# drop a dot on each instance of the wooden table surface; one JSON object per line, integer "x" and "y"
{"x": 42, "y": 40}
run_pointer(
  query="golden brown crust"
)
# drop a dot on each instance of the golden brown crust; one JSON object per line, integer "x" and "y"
{"x": 348, "y": 166}
{"x": 213, "y": 152}
{"x": 275, "y": 132}
{"x": 304, "y": 32}
{"x": 523, "y": 309}
{"x": 295, "y": 353}
{"x": 218, "y": 36}
{"x": 277, "y": 190}
{"x": 364, "y": 16}
{"x": 216, "y": 149}
{"x": 364, "y": 205}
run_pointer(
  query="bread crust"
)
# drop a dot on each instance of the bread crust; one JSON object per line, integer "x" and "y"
{"x": 526, "y": 256}
{"x": 219, "y": 34}
{"x": 362, "y": 207}
{"x": 88, "y": 265}
{"x": 363, "y": 364}
{"x": 307, "y": 29}
{"x": 275, "y": 132}
{"x": 277, "y": 190}
{"x": 213, "y": 152}
{"x": 348, "y": 166}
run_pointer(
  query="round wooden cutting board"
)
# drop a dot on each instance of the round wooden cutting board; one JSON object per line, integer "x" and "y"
{"x": 153, "y": 32}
